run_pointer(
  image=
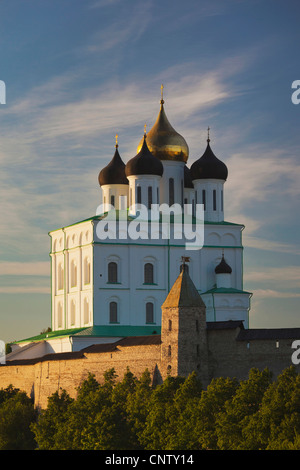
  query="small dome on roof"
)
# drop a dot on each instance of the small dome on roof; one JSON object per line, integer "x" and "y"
{"x": 144, "y": 163}
{"x": 209, "y": 166}
{"x": 223, "y": 267}
{"x": 114, "y": 172}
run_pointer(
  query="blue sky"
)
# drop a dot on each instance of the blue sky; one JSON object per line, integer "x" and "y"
{"x": 78, "y": 72}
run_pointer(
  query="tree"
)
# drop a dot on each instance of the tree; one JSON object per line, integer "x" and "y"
{"x": 231, "y": 422}
{"x": 47, "y": 429}
{"x": 16, "y": 416}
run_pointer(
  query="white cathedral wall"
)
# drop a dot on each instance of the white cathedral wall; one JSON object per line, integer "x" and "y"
{"x": 72, "y": 281}
{"x": 87, "y": 302}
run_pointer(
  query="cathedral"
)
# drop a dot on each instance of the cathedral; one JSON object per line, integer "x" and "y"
{"x": 131, "y": 288}
{"x": 113, "y": 286}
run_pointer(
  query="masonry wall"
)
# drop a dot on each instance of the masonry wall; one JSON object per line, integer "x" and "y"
{"x": 231, "y": 358}
{"x": 227, "y": 357}
{"x": 41, "y": 379}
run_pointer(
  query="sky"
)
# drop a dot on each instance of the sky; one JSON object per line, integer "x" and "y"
{"x": 78, "y": 72}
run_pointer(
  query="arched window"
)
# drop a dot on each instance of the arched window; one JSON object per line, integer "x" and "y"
{"x": 148, "y": 273}
{"x": 73, "y": 312}
{"x": 149, "y": 312}
{"x": 169, "y": 351}
{"x": 170, "y": 325}
{"x": 171, "y": 191}
{"x": 87, "y": 271}
{"x": 113, "y": 312}
{"x": 73, "y": 274}
{"x": 86, "y": 311}
{"x": 112, "y": 272}
{"x": 59, "y": 315}
{"x": 60, "y": 277}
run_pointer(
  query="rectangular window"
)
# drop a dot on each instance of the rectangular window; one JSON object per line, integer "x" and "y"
{"x": 204, "y": 198}
{"x": 139, "y": 195}
{"x": 214, "y": 200}
{"x": 112, "y": 201}
{"x": 149, "y": 197}
{"x": 222, "y": 201}
{"x": 171, "y": 192}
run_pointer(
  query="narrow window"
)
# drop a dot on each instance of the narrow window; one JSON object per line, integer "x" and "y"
{"x": 182, "y": 192}
{"x": 73, "y": 312}
{"x": 197, "y": 350}
{"x": 171, "y": 192}
{"x": 73, "y": 274}
{"x": 87, "y": 271}
{"x": 86, "y": 311}
{"x": 149, "y": 312}
{"x": 148, "y": 273}
{"x": 222, "y": 201}
{"x": 130, "y": 197}
{"x": 113, "y": 312}
{"x": 149, "y": 197}
{"x": 60, "y": 274}
{"x": 170, "y": 325}
{"x": 112, "y": 201}
{"x": 214, "y": 200}
{"x": 112, "y": 272}
{"x": 59, "y": 315}
{"x": 197, "y": 326}
{"x": 204, "y": 198}
{"x": 139, "y": 195}
{"x": 157, "y": 196}
{"x": 169, "y": 351}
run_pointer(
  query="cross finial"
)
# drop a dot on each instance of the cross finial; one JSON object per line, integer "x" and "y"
{"x": 145, "y": 131}
{"x": 208, "y": 129}
{"x": 117, "y": 140}
{"x": 162, "y": 93}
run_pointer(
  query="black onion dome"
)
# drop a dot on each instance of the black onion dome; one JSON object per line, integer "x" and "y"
{"x": 144, "y": 163}
{"x": 114, "y": 172}
{"x": 209, "y": 167}
{"x": 188, "y": 183}
{"x": 223, "y": 267}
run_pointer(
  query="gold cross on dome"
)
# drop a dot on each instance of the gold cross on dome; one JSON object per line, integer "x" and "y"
{"x": 145, "y": 126}
{"x": 117, "y": 140}
{"x": 162, "y": 91}
{"x": 208, "y": 129}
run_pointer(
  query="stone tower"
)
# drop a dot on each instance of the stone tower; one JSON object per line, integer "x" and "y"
{"x": 183, "y": 332}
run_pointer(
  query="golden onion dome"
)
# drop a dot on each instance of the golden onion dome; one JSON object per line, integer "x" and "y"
{"x": 164, "y": 142}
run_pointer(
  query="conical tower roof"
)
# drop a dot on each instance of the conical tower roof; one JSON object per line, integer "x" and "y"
{"x": 183, "y": 292}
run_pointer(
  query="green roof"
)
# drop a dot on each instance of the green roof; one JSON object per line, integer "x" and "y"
{"x": 130, "y": 218}
{"x": 225, "y": 290}
{"x": 99, "y": 331}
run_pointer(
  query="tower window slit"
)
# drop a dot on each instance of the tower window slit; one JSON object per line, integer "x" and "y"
{"x": 139, "y": 195}
{"x": 204, "y": 198}
{"x": 214, "y": 200}
{"x": 171, "y": 191}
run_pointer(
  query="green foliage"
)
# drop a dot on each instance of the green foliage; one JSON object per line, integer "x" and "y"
{"x": 129, "y": 413}
{"x": 16, "y": 416}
